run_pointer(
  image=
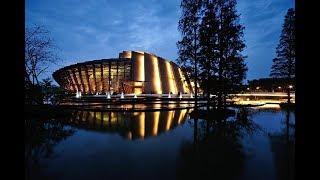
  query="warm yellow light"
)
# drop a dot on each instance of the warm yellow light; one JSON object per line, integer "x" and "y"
{"x": 169, "y": 120}
{"x": 279, "y": 87}
{"x": 183, "y": 81}
{"x": 264, "y": 94}
{"x": 258, "y": 87}
{"x": 141, "y": 68}
{"x": 156, "y": 75}
{"x": 129, "y": 135}
{"x": 113, "y": 117}
{"x": 155, "y": 106}
{"x": 155, "y": 123}
{"x": 182, "y": 115}
{"x": 171, "y": 82}
{"x": 98, "y": 116}
{"x": 105, "y": 118}
{"x": 267, "y": 106}
{"x": 290, "y": 86}
{"x": 248, "y": 88}
{"x": 141, "y": 125}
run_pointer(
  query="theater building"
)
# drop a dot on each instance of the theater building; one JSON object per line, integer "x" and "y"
{"x": 133, "y": 72}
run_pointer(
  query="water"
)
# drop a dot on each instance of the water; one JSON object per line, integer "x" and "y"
{"x": 253, "y": 144}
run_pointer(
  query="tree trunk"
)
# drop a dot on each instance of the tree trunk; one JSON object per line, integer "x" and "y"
{"x": 288, "y": 95}
{"x": 195, "y": 67}
{"x": 288, "y": 88}
{"x": 196, "y": 82}
{"x": 220, "y": 85}
{"x": 195, "y": 131}
{"x": 208, "y": 91}
{"x": 224, "y": 101}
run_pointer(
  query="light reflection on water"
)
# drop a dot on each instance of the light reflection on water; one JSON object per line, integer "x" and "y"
{"x": 131, "y": 125}
{"x": 253, "y": 144}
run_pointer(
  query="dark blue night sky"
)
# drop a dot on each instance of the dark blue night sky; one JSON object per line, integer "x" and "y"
{"x": 96, "y": 29}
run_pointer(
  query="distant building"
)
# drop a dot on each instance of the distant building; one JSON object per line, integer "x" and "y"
{"x": 270, "y": 84}
{"x": 133, "y": 72}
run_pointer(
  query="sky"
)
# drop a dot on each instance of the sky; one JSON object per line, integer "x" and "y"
{"x": 100, "y": 29}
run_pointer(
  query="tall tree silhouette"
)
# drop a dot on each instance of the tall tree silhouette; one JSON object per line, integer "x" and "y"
{"x": 231, "y": 66}
{"x": 208, "y": 42}
{"x": 213, "y": 37}
{"x": 222, "y": 44}
{"x": 188, "y": 47}
{"x": 284, "y": 64}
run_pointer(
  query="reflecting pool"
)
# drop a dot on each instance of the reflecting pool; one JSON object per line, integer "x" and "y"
{"x": 251, "y": 143}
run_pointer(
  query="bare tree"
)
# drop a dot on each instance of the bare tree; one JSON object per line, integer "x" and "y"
{"x": 39, "y": 52}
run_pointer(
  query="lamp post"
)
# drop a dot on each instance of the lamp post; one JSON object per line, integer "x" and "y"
{"x": 290, "y": 88}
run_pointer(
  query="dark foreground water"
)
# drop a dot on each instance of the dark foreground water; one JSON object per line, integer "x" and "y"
{"x": 252, "y": 144}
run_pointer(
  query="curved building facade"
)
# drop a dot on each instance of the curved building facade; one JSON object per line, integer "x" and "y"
{"x": 133, "y": 72}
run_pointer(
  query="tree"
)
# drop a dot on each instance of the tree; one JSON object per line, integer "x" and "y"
{"x": 39, "y": 53}
{"x": 208, "y": 43}
{"x": 213, "y": 37}
{"x": 188, "y": 47}
{"x": 284, "y": 63}
{"x": 221, "y": 46}
{"x": 231, "y": 66}
{"x": 52, "y": 94}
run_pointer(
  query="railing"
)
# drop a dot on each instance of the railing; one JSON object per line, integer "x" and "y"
{"x": 269, "y": 94}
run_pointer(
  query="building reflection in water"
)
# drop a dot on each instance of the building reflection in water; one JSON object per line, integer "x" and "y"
{"x": 130, "y": 125}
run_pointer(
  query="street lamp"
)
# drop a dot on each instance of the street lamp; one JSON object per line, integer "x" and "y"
{"x": 290, "y": 86}
{"x": 257, "y": 88}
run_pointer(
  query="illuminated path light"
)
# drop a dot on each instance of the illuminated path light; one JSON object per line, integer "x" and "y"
{"x": 78, "y": 94}
{"x": 264, "y": 94}
{"x": 263, "y": 98}
{"x": 122, "y": 95}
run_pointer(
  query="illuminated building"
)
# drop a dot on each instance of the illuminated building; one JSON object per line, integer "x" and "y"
{"x": 133, "y": 72}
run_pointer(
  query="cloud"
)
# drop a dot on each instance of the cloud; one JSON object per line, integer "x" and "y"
{"x": 96, "y": 29}
{"x": 263, "y": 20}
